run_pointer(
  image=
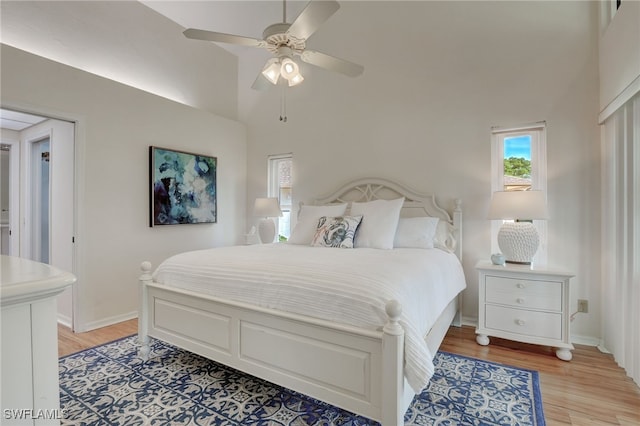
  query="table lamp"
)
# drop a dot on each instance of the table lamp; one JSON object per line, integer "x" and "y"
{"x": 267, "y": 208}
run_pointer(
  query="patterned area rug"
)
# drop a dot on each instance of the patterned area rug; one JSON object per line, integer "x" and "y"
{"x": 110, "y": 385}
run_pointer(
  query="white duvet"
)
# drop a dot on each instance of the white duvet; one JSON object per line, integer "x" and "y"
{"x": 349, "y": 286}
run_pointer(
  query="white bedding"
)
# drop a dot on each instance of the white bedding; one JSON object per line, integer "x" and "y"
{"x": 349, "y": 286}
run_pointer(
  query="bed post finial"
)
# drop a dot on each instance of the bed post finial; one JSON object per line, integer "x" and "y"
{"x": 393, "y": 310}
{"x": 146, "y": 270}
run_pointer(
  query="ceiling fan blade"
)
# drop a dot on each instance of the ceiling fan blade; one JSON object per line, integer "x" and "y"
{"x": 222, "y": 37}
{"x": 331, "y": 63}
{"x": 310, "y": 19}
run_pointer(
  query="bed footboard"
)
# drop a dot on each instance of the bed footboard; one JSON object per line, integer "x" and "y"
{"x": 354, "y": 369}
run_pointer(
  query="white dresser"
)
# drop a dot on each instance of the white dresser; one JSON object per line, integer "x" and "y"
{"x": 29, "y": 367}
{"x": 524, "y": 304}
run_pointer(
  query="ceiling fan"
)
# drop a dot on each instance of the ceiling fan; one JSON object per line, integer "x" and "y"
{"x": 287, "y": 41}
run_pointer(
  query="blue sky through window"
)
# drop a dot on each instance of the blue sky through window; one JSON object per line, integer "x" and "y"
{"x": 518, "y": 146}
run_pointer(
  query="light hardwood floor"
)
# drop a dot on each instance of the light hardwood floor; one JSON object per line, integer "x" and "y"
{"x": 589, "y": 390}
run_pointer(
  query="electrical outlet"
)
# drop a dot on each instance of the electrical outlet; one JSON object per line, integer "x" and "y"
{"x": 583, "y": 305}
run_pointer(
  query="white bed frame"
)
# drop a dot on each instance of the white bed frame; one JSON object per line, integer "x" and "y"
{"x": 358, "y": 370}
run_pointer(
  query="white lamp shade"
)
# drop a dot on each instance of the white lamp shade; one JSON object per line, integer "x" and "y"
{"x": 271, "y": 71}
{"x": 296, "y": 79}
{"x": 289, "y": 68}
{"x": 291, "y": 71}
{"x": 518, "y": 205}
{"x": 267, "y": 207}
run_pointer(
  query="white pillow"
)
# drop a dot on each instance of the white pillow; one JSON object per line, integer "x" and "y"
{"x": 416, "y": 232}
{"x": 379, "y": 222}
{"x": 305, "y": 229}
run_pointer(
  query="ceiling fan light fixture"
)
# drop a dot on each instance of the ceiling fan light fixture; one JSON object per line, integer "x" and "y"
{"x": 271, "y": 71}
{"x": 295, "y": 80}
{"x": 289, "y": 68}
{"x": 286, "y": 41}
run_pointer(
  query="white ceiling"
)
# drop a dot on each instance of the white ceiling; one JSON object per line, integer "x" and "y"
{"x": 141, "y": 43}
{"x": 14, "y": 120}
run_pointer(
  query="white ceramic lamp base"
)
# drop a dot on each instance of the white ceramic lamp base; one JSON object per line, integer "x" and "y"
{"x": 518, "y": 241}
{"x": 266, "y": 230}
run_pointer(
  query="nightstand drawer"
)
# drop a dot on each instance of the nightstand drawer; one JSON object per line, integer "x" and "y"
{"x": 546, "y": 295}
{"x": 530, "y": 323}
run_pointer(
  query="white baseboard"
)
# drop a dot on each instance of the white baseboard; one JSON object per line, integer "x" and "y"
{"x": 64, "y": 320}
{"x": 470, "y": 321}
{"x": 585, "y": 340}
{"x": 80, "y": 328}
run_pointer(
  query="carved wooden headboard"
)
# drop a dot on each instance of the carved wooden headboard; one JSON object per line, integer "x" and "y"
{"x": 416, "y": 204}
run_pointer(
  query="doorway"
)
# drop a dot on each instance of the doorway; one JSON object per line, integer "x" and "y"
{"x": 40, "y": 206}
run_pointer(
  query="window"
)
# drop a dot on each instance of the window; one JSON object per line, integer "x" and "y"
{"x": 279, "y": 177}
{"x": 519, "y": 163}
{"x": 519, "y": 158}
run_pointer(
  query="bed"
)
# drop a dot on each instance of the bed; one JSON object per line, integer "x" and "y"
{"x": 355, "y": 327}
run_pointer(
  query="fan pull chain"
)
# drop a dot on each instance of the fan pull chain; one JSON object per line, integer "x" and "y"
{"x": 283, "y": 106}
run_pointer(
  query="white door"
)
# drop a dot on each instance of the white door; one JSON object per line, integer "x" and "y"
{"x": 46, "y": 200}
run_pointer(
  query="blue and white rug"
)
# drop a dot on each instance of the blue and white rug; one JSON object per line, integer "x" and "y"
{"x": 110, "y": 385}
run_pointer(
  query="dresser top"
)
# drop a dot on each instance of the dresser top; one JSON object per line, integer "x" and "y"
{"x": 485, "y": 265}
{"x": 23, "y": 280}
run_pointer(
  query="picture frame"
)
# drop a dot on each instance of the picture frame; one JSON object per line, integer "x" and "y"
{"x": 183, "y": 187}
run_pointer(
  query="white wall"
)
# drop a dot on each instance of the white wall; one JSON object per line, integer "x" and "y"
{"x": 422, "y": 114}
{"x": 620, "y": 54}
{"x": 127, "y": 42}
{"x": 116, "y": 124}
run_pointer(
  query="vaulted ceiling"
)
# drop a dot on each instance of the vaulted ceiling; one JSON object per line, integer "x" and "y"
{"x": 141, "y": 43}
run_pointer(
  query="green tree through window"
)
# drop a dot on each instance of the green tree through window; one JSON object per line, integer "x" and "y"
{"x": 517, "y": 166}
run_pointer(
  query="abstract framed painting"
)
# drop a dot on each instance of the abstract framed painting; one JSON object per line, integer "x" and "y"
{"x": 183, "y": 187}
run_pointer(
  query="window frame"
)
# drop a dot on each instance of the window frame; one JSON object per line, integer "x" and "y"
{"x": 273, "y": 187}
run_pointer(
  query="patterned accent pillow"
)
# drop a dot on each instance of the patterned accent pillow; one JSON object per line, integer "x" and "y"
{"x": 336, "y": 231}
{"x": 308, "y": 221}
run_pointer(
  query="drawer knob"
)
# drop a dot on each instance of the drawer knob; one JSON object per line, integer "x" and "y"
{"x": 520, "y": 322}
{"x": 520, "y": 300}
{"x": 520, "y": 285}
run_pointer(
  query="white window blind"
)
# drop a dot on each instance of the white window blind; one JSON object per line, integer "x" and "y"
{"x": 621, "y": 236}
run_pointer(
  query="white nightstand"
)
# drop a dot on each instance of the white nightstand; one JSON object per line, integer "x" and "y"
{"x": 524, "y": 304}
